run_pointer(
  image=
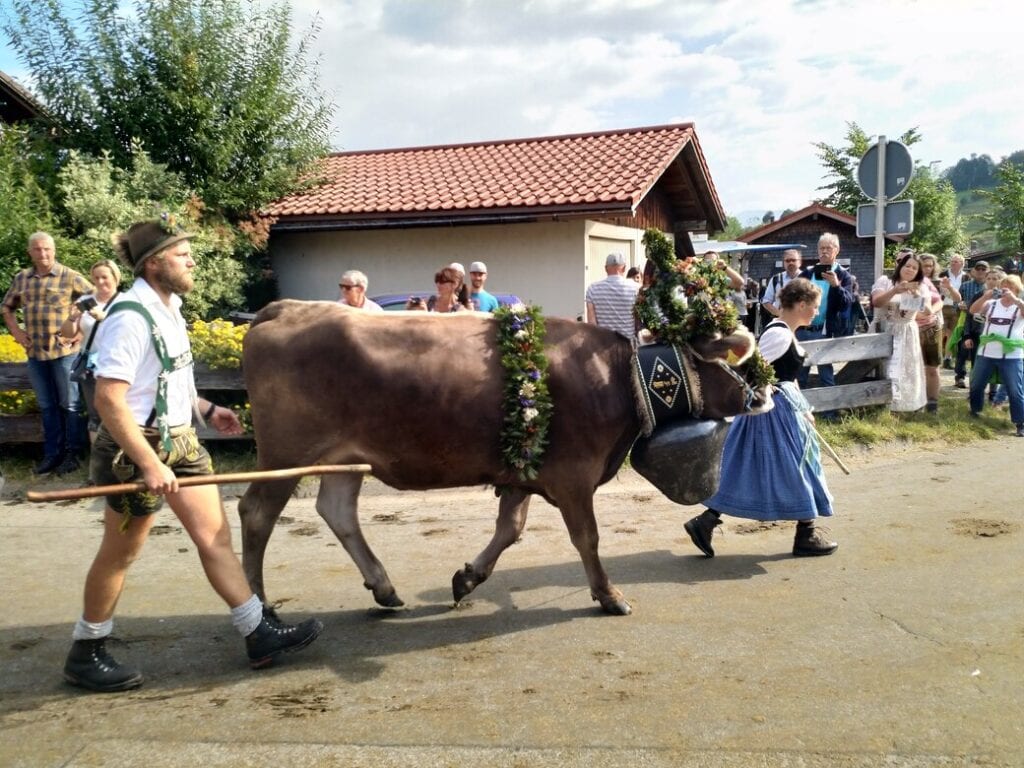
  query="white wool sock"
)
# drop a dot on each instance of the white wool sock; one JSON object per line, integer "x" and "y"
{"x": 88, "y": 630}
{"x": 247, "y": 616}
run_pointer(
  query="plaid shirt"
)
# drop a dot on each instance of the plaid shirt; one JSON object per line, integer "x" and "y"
{"x": 45, "y": 301}
{"x": 970, "y": 290}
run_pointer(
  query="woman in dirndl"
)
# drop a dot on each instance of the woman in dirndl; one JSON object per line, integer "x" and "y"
{"x": 771, "y": 464}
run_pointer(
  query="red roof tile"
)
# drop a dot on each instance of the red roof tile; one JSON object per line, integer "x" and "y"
{"x": 610, "y": 170}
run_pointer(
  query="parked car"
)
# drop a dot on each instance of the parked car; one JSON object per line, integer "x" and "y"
{"x": 393, "y": 302}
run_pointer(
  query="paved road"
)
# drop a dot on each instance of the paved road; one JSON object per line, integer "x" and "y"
{"x": 906, "y": 648}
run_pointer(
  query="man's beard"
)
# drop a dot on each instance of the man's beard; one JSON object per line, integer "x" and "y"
{"x": 180, "y": 283}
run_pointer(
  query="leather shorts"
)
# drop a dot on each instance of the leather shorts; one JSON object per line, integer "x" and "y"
{"x": 109, "y": 465}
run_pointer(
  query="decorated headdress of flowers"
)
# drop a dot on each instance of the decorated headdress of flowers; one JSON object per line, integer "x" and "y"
{"x": 688, "y": 299}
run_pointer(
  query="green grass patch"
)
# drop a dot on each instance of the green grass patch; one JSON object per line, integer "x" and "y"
{"x": 952, "y": 425}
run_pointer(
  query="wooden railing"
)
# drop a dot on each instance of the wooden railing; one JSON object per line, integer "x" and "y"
{"x": 859, "y": 382}
{"x": 29, "y": 428}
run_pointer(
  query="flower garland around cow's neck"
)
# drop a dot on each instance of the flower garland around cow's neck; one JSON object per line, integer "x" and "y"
{"x": 689, "y": 298}
{"x": 527, "y": 402}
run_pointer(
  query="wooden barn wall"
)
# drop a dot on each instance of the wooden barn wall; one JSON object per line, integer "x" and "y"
{"x": 655, "y": 210}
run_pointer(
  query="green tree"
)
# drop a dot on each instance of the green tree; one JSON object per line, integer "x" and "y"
{"x": 841, "y": 167}
{"x": 938, "y": 226}
{"x": 24, "y": 202}
{"x": 976, "y": 172}
{"x": 1006, "y": 218}
{"x": 733, "y": 229}
{"x": 214, "y": 89}
{"x": 1014, "y": 158}
{"x": 101, "y": 199}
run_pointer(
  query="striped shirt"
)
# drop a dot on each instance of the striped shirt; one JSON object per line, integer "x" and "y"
{"x": 45, "y": 301}
{"x": 613, "y": 299}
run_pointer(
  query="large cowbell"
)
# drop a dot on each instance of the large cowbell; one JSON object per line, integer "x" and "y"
{"x": 675, "y": 458}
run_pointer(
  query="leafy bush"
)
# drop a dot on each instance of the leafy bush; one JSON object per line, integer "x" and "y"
{"x": 24, "y": 205}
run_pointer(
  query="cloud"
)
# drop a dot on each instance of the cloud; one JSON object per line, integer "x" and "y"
{"x": 762, "y": 81}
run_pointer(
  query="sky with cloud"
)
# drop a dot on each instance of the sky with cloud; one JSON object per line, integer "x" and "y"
{"x": 761, "y": 80}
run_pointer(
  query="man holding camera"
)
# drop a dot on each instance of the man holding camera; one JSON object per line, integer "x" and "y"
{"x": 837, "y": 296}
{"x": 44, "y": 293}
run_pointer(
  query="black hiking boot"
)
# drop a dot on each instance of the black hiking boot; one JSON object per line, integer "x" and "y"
{"x": 272, "y": 638}
{"x": 810, "y": 542}
{"x": 47, "y": 465}
{"x": 701, "y": 528}
{"x": 90, "y": 666}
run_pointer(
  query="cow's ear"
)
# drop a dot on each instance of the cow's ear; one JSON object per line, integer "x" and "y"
{"x": 740, "y": 346}
{"x": 734, "y": 349}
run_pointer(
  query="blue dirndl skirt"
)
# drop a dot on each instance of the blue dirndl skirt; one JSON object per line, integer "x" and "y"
{"x": 771, "y": 464}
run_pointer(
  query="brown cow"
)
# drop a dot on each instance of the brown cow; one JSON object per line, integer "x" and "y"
{"x": 419, "y": 398}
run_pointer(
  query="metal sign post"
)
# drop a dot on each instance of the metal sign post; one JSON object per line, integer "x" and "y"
{"x": 883, "y": 174}
{"x": 880, "y": 209}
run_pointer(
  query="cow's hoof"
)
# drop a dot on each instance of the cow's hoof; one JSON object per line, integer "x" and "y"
{"x": 390, "y": 601}
{"x": 465, "y": 581}
{"x": 615, "y": 605}
{"x": 386, "y": 598}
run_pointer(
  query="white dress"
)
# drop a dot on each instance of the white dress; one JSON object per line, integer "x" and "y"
{"x": 906, "y": 366}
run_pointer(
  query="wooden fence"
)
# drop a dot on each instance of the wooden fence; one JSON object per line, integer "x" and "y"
{"x": 858, "y": 359}
{"x": 29, "y": 428}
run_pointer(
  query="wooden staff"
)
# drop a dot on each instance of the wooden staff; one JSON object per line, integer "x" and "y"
{"x": 185, "y": 482}
{"x": 830, "y": 451}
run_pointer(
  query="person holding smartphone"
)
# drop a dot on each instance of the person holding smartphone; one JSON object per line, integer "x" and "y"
{"x": 79, "y": 326}
{"x": 832, "y": 319}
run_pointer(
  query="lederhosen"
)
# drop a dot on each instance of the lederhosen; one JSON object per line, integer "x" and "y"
{"x": 176, "y": 446}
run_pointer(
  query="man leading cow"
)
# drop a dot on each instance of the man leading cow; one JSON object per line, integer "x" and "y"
{"x": 146, "y": 397}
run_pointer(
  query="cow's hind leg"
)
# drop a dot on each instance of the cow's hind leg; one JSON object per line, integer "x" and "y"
{"x": 259, "y": 508}
{"x": 512, "y": 510}
{"x": 578, "y": 512}
{"x": 338, "y": 505}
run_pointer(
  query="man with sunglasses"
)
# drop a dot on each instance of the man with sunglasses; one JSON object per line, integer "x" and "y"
{"x": 969, "y": 291}
{"x": 791, "y": 260}
{"x": 353, "y": 286}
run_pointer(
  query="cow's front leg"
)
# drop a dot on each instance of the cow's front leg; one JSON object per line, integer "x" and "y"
{"x": 258, "y": 509}
{"x": 338, "y": 505}
{"x": 512, "y": 511}
{"x": 578, "y": 512}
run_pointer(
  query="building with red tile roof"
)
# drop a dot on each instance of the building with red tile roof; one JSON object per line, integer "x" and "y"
{"x": 543, "y": 213}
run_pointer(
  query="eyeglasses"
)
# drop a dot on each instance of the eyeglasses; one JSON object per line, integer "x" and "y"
{"x": 442, "y": 282}
{"x": 346, "y": 287}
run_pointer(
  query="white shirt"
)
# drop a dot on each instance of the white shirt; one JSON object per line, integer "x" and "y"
{"x": 125, "y": 352}
{"x": 955, "y": 281}
{"x": 1002, "y": 321}
{"x": 368, "y": 305}
{"x": 771, "y": 295}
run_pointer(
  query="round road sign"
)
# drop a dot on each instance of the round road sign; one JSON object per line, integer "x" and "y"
{"x": 899, "y": 170}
